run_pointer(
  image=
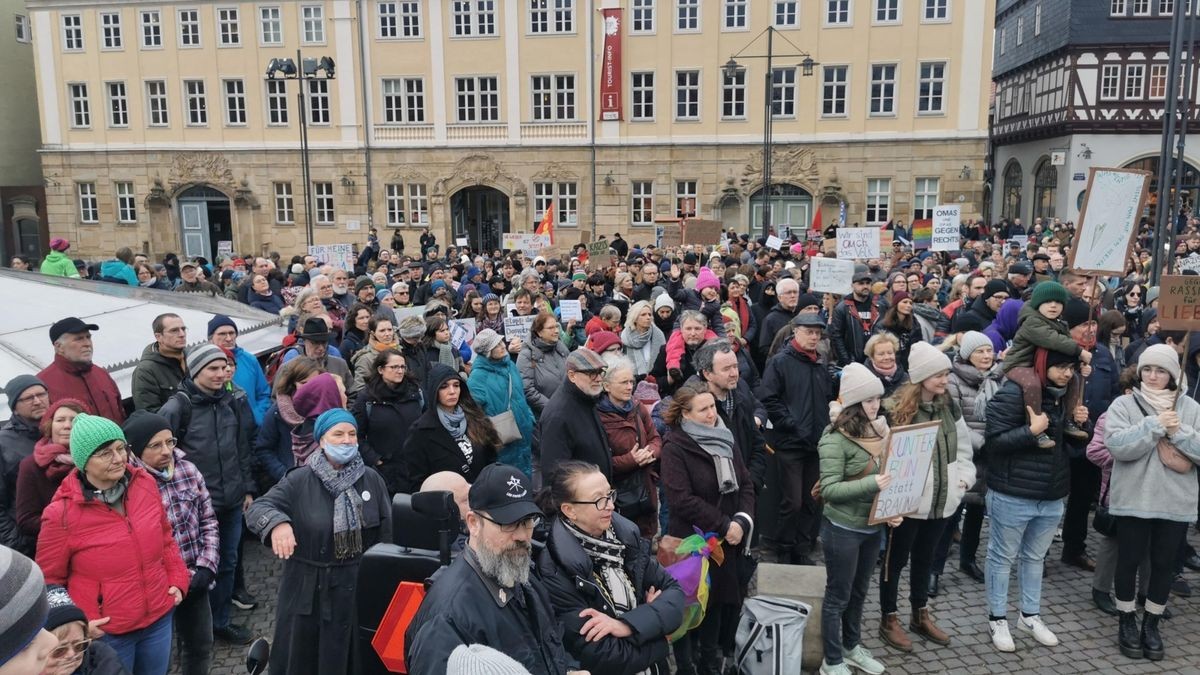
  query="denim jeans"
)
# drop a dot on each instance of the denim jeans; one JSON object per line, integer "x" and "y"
{"x": 849, "y": 564}
{"x": 193, "y": 628}
{"x": 1021, "y": 531}
{"x": 229, "y": 527}
{"x": 146, "y": 651}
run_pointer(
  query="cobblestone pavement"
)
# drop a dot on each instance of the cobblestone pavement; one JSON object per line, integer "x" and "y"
{"x": 1088, "y": 637}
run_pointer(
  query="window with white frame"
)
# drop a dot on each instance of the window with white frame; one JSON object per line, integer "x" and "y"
{"x": 318, "y": 101}
{"x": 883, "y": 89}
{"x": 887, "y": 11}
{"x": 1135, "y": 80}
{"x": 564, "y": 196}
{"x": 551, "y": 16}
{"x": 543, "y": 197}
{"x": 1157, "y": 88}
{"x": 312, "y": 24}
{"x": 72, "y": 28}
{"x": 643, "y": 16}
{"x": 399, "y": 19}
{"x": 642, "y": 202}
{"x": 323, "y": 202}
{"x": 151, "y": 29}
{"x": 195, "y": 103}
{"x": 833, "y": 90}
{"x": 229, "y": 28}
{"x": 404, "y": 100}
{"x": 118, "y": 105}
{"x": 126, "y": 202}
{"x": 270, "y": 26}
{"x": 81, "y": 111}
{"x": 277, "y": 102}
{"x": 735, "y": 14}
{"x": 931, "y": 87}
{"x": 937, "y": 10}
{"x": 235, "y": 103}
{"x": 1020, "y": 30}
{"x": 733, "y": 95}
{"x": 418, "y": 203}
{"x": 687, "y": 16}
{"x": 787, "y": 14}
{"x": 474, "y": 17}
{"x": 1117, "y": 8}
{"x": 110, "y": 30}
{"x": 1110, "y": 82}
{"x": 1141, "y": 7}
{"x": 189, "y": 28}
{"x": 89, "y": 206}
{"x": 783, "y": 93}
{"x": 285, "y": 206}
{"x": 395, "y": 204}
{"x": 1166, "y": 7}
{"x": 553, "y": 97}
{"x": 156, "y": 102}
{"x": 642, "y": 95}
{"x": 687, "y": 95}
{"x": 24, "y": 29}
{"x": 1037, "y": 20}
{"x": 879, "y": 197}
{"x": 837, "y": 12}
{"x": 925, "y": 198}
{"x": 477, "y": 99}
{"x": 685, "y": 199}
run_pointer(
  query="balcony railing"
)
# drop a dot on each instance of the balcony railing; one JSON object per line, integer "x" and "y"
{"x": 403, "y": 133}
{"x": 476, "y": 132}
{"x": 554, "y": 130}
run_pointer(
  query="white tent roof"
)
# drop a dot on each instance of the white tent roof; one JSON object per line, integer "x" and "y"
{"x": 31, "y": 302}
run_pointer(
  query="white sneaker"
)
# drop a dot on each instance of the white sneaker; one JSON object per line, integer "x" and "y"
{"x": 1034, "y": 626}
{"x": 861, "y": 659}
{"x": 839, "y": 669}
{"x": 1001, "y": 638}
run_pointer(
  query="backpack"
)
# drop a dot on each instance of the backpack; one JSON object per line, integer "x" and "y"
{"x": 770, "y": 636}
{"x": 274, "y": 364}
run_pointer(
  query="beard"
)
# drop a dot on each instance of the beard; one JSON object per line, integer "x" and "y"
{"x": 509, "y": 566}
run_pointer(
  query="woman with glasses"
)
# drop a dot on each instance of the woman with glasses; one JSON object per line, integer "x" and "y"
{"x": 384, "y": 410}
{"x": 616, "y": 603}
{"x": 453, "y": 434}
{"x": 40, "y": 474}
{"x": 635, "y": 446}
{"x": 76, "y": 652}
{"x": 319, "y": 520}
{"x": 1130, "y": 304}
{"x": 381, "y": 336}
{"x": 106, "y": 537}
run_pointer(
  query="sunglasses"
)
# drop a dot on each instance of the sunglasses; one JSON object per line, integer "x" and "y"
{"x": 78, "y": 647}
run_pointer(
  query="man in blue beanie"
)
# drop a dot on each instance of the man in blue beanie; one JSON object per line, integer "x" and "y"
{"x": 247, "y": 373}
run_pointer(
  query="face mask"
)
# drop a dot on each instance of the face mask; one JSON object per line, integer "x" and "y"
{"x": 341, "y": 453}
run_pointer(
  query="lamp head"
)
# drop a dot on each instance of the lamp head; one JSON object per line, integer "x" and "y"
{"x": 731, "y": 68}
{"x": 806, "y": 66}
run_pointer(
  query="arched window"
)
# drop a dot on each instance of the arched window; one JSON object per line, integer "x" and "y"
{"x": 1011, "y": 206}
{"x": 1045, "y": 190}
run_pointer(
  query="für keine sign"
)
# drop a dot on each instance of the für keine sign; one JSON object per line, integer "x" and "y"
{"x": 946, "y": 221}
{"x": 907, "y": 460}
{"x": 1108, "y": 220}
{"x": 857, "y": 243}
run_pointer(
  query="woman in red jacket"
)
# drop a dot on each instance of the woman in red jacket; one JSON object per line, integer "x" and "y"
{"x": 40, "y": 474}
{"x": 635, "y": 445}
{"x": 106, "y": 538}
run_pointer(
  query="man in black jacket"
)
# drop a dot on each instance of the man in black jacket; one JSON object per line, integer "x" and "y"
{"x": 28, "y": 400}
{"x": 570, "y": 427}
{"x": 717, "y": 372}
{"x": 854, "y": 320}
{"x": 796, "y": 389}
{"x": 787, "y": 294}
{"x": 982, "y": 311}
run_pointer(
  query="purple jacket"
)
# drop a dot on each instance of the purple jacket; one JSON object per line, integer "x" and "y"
{"x": 1002, "y": 330}
{"x": 1098, "y": 454}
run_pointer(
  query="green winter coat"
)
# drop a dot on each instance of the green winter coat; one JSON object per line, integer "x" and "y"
{"x": 57, "y": 264}
{"x": 847, "y": 502}
{"x": 1036, "y": 331}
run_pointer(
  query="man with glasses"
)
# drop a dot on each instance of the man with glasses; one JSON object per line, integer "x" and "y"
{"x": 983, "y": 309}
{"x": 161, "y": 369}
{"x": 570, "y": 427}
{"x": 488, "y": 595}
{"x": 28, "y": 399}
{"x": 787, "y": 294}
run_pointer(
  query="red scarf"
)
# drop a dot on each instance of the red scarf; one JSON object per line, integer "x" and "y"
{"x": 866, "y": 325}
{"x": 810, "y": 353}
{"x": 742, "y": 308}
{"x": 55, "y": 459}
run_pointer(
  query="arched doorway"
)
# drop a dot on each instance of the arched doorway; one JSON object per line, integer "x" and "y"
{"x": 729, "y": 212}
{"x": 1045, "y": 190}
{"x": 791, "y": 205}
{"x": 205, "y": 221}
{"x": 481, "y": 215}
{"x": 1190, "y": 186}
{"x": 1010, "y": 208}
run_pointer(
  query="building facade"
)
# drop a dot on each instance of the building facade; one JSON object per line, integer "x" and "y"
{"x": 472, "y": 117}
{"x": 23, "y": 224}
{"x": 1079, "y": 84}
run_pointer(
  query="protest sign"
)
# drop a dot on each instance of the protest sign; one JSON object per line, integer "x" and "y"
{"x": 569, "y": 310}
{"x": 947, "y": 219}
{"x": 1108, "y": 220}
{"x": 598, "y": 256}
{"x": 886, "y": 237}
{"x": 1179, "y": 302}
{"x": 462, "y": 330}
{"x": 402, "y": 312}
{"x": 829, "y": 247}
{"x": 857, "y": 243}
{"x": 338, "y": 255}
{"x": 460, "y": 241}
{"x": 529, "y": 244}
{"x": 922, "y": 233}
{"x": 774, "y": 242}
{"x": 1192, "y": 262}
{"x": 705, "y": 232}
{"x": 672, "y": 235}
{"x": 1021, "y": 240}
{"x": 830, "y": 275}
{"x": 907, "y": 460}
{"x": 224, "y": 248}
{"x": 518, "y": 327}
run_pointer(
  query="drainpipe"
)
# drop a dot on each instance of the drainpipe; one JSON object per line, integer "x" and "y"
{"x": 592, "y": 108}
{"x": 367, "y": 126}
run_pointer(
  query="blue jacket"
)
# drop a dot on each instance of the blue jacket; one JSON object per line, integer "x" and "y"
{"x": 250, "y": 377}
{"x": 118, "y": 270}
{"x": 273, "y": 445}
{"x": 489, "y": 384}
{"x": 1104, "y": 385}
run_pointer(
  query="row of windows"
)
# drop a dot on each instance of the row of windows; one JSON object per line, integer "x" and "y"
{"x": 1147, "y": 8}
{"x": 1134, "y": 81}
{"x": 188, "y": 33}
{"x": 1002, "y": 38}
{"x": 195, "y": 103}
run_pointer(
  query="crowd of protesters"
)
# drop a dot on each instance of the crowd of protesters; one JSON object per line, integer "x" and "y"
{"x": 692, "y": 384}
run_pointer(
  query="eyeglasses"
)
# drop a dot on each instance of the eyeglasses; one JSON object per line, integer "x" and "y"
{"x": 601, "y": 503}
{"x": 34, "y": 397}
{"x": 168, "y": 444}
{"x": 112, "y": 452}
{"x": 77, "y": 647}
{"x": 524, "y": 524}
{"x": 397, "y": 367}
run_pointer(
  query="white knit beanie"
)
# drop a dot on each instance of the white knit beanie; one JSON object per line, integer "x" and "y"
{"x": 858, "y": 385}
{"x": 925, "y": 361}
{"x": 1162, "y": 356}
{"x": 971, "y": 341}
{"x": 482, "y": 660}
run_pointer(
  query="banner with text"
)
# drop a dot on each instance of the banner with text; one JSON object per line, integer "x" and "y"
{"x": 907, "y": 460}
{"x": 338, "y": 255}
{"x": 531, "y": 245}
{"x": 947, "y": 219}
{"x": 857, "y": 243}
{"x": 610, "y": 67}
{"x": 831, "y": 275}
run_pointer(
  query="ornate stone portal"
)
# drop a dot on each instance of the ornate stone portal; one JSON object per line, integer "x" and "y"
{"x": 193, "y": 168}
{"x": 789, "y": 164}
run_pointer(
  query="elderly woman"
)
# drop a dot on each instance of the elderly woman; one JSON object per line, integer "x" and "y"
{"x": 453, "y": 434}
{"x": 76, "y": 652}
{"x": 106, "y": 537}
{"x": 492, "y": 316}
{"x": 40, "y": 474}
{"x": 384, "y": 411}
{"x": 319, "y": 520}
{"x": 635, "y": 446}
{"x": 616, "y": 603}
{"x": 708, "y": 486}
{"x": 321, "y": 392}
{"x": 641, "y": 338}
{"x": 496, "y": 386}
{"x": 542, "y": 361}
{"x": 381, "y": 336}
{"x": 883, "y": 362}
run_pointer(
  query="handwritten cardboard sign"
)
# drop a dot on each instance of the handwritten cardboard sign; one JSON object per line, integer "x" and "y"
{"x": 704, "y": 232}
{"x": 830, "y": 275}
{"x": 857, "y": 243}
{"x": 1108, "y": 220}
{"x": 570, "y": 309}
{"x": 672, "y": 235}
{"x": 462, "y": 330}
{"x": 907, "y": 459}
{"x": 338, "y": 255}
{"x": 774, "y": 242}
{"x": 1179, "y": 302}
{"x": 518, "y": 327}
{"x": 947, "y": 219}
{"x": 598, "y": 255}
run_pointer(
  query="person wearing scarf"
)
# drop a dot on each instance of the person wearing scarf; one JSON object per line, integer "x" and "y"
{"x": 320, "y": 393}
{"x": 440, "y": 349}
{"x": 1152, "y": 434}
{"x": 636, "y": 446}
{"x": 320, "y": 519}
{"x": 602, "y": 579}
{"x": 496, "y": 386}
{"x": 493, "y": 314}
{"x": 642, "y": 338}
{"x": 40, "y": 474}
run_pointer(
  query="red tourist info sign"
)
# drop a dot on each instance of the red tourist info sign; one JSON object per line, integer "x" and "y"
{"x": 610, "y": 68}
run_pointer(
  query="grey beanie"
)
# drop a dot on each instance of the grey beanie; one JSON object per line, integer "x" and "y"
{"x": 203, "y": 354}
{"x": 971, "y": 341}
{"x": 485, "y": 341}
{"x": 23, "y": 613}
{"x": 858, "y": 384}
{"x": 925, "y": 361}
{"x": 482, "y": 660}
{"x": 18, "y": 385}
{"x": 1162, "y": 356}
{"x": 411, "y": 327}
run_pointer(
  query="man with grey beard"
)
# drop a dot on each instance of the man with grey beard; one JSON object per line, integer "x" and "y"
{"x": 487, "y": 596}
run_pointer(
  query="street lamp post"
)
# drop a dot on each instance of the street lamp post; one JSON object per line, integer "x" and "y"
{"x": 307, "y": 71}
{"x": 732, "y": 68}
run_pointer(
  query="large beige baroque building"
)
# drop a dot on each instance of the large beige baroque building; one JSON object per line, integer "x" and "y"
{"x": 471, "y": 117}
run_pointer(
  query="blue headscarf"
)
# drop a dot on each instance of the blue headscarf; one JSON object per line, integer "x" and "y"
{"x": 331, "y": 418}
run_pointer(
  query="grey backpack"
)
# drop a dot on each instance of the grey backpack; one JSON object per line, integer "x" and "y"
{"x": 770, "y": 636}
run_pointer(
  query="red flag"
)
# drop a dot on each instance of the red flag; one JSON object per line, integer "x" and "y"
{"x": 547, "y": 224}
{"x": 816, "y": 223}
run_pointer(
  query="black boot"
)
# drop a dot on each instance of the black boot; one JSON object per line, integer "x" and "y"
{"x": 1104, "y": 602}
{"x": 934, "y": 583}
{"x": 1152, "y": 644}
{"x": 709, "y": 661}
{"x": 1129, "y": 637}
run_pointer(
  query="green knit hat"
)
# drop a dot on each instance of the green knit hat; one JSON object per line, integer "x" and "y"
{"x": 1048, "y": 291}
{"x": 89, "y": 433}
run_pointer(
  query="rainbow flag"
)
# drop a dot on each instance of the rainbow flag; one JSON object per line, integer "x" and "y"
{"x": 922, "y": 233}
{"x": 692, "y": 575}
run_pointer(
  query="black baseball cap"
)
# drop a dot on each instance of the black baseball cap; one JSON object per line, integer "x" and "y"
{"x": 504, "y": 492}
{"x": 71, "y": 324}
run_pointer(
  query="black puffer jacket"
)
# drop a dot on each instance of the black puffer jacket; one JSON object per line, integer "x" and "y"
{"x": 217, "y": 432}
{"x": 568, "y": 574}
{"x": 1016, "y": 465}
{"x": 847, "y": 335}
{"x": 570, "y": 428}
{"x": 796, "y": 391}
{"x": 429, "y": 448}
{"x": 775, "y": 319}
{"x": 384, "y": 415}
